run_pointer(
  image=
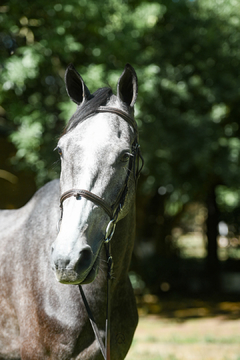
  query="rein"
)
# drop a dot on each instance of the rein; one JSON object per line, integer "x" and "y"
{"x": 112, "y": 211}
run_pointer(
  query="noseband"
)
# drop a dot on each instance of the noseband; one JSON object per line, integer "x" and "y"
{"x": 113, "y": 212}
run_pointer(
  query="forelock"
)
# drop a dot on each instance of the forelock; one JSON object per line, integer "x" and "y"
{"x": 99, "y": 98}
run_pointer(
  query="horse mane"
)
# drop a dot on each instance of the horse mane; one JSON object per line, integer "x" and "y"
{"x": 89, "y": 107}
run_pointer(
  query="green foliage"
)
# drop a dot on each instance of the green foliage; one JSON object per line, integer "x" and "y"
{"x": 187, "y": 57}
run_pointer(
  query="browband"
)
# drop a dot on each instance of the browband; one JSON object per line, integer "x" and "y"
{"x": 78, "y": 193}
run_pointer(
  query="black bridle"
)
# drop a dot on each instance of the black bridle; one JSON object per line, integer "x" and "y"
{"x": 113, "y": 212}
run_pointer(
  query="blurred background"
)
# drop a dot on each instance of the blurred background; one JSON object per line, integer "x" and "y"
{"x": 187, "y": 58}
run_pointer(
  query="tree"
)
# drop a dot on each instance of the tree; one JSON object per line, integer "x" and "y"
{"x": 187, "y": 56}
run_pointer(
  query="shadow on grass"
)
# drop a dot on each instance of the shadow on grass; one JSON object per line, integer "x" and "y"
{"x": 182, "y": 308}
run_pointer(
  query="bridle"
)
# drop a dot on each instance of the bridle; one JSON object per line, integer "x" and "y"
{"x": 113, "y": 212}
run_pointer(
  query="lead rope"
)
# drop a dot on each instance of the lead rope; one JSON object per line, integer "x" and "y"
{"x": 93, "y": 323}
{"x": 109, "y": 277}
{"x": 105, "y": 350}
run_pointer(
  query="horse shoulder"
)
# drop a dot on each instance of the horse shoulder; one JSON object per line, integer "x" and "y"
{"x": 24, "y": 244}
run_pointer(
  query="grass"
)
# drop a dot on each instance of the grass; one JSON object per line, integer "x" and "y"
{"x": 203, "y": 338}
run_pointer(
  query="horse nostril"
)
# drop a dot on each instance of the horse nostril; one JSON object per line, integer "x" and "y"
{"x": 78, "y": 263}
{"x": 84, "y": 260}
{"x": 61, "y": 264}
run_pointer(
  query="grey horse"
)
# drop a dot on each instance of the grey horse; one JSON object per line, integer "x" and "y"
{"x": 42, "y": 315}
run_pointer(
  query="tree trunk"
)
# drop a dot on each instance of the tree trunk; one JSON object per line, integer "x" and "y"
{"x": 213, "y": 275}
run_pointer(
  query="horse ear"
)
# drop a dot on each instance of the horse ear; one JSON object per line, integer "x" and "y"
{"x": 76, "y": 88}
{"x": 127, "y": 87}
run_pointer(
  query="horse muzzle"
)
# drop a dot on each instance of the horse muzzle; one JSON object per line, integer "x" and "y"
{"x": 80, "y": 269}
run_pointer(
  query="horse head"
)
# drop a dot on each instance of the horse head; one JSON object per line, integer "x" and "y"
{"x": 99, "y": 167}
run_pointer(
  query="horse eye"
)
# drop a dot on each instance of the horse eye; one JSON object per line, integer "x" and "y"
{"x": 125, "y": 157}
{"x": 59, "y": 151}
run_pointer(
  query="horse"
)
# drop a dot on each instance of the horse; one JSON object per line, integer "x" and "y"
{"x": 59, "y": 242}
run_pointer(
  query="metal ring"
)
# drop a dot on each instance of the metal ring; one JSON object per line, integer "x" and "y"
{"x": 109, "y": 232}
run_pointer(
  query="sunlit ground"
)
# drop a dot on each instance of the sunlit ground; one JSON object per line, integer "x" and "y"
{"x": 214, "y": 338}
{"x": 175, "y": 328}
{"x": 187, "y": 329}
